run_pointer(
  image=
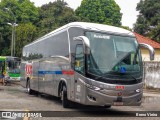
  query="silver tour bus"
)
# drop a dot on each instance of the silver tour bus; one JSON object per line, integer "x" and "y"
{"x": 87, "y": 63}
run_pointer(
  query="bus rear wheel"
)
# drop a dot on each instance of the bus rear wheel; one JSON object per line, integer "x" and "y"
{"x": 65, "y": 101}
{"x": 29, "y": 90}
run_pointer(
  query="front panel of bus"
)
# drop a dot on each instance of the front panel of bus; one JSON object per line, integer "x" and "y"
{"x": 13, "y": 68}
{"x": 2, "y": 67}
{"x": 111, "y": 74}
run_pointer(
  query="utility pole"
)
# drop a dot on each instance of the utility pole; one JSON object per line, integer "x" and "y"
{"x": 14, "y": 24}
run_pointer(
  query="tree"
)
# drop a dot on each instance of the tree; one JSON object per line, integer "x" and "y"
{"x": 100, "y": 11}
{"x": 26, "y": 33}
{"x": 126, "y": 27}
{"x": 23, "y": 11}
{"x": 148, "y": 21}
{"x": 54, "y": 15}
{"x": 27, "y": 12}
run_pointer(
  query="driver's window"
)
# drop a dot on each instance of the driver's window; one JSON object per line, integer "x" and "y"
{"x": 79, "y": 59}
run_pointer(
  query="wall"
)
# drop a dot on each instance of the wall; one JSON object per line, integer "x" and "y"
{"x": 152, "y": 74}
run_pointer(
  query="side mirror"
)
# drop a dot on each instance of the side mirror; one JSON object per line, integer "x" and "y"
{"x": 150, "y": 48}
{"x": 85, "y": 41}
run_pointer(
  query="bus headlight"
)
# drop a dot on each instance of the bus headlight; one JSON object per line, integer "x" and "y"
{"x": 90, "y": 86}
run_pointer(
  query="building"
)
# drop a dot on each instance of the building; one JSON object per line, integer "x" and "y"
{"x": 144, "y": 51}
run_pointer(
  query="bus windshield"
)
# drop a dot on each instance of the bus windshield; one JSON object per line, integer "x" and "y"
{"x": 13, "y": 65}
{"x": 112, "y": 53}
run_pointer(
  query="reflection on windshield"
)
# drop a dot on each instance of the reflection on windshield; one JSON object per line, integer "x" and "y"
{"x": 112, "y": 53}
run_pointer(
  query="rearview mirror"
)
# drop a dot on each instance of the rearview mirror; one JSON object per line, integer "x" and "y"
{"x": 85, "y": 41}
{"x": 150, "y": 48}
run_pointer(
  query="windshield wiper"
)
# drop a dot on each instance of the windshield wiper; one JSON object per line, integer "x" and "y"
{"x": 133, "y": 77}
{"x": 103, "y": 75}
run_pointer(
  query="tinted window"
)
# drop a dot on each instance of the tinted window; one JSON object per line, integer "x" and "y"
{"x": 79, "y": 58}
{"x": 56, "y": 45}
{"x": 74, "y": 32}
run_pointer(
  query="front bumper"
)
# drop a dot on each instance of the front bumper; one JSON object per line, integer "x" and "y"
{"x": 98, "y": 98}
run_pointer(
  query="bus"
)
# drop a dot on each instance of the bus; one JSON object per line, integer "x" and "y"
{"x": 9, "y": 68}
{"x": 86, "y": 63}
{"x": 2, "y": 68}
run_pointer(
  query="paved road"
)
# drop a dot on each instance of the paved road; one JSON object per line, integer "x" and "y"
{"x": 14, "y": 97}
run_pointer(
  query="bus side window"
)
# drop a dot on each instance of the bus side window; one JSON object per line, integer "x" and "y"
{"x": 79, "y": 59}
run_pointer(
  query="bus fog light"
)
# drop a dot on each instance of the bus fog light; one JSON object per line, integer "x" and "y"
{"x": 138, "y": 90}
{"x": 92, "y": 97}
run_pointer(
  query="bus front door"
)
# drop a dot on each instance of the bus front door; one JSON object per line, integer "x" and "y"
{"x": 80, "y": 71}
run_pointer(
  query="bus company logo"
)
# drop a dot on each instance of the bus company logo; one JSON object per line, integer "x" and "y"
{"x": 102, "y": 36}
{"x": 120, "y": 87}
{"x": 28, "y": 69}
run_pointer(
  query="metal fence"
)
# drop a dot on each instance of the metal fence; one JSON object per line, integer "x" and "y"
{"x": 152, "y": 74}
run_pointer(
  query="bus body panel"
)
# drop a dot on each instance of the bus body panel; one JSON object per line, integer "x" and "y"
{"x": 34, "y": 81}
{"x": 50, "y": 72}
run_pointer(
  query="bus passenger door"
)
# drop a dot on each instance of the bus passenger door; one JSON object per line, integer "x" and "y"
{"x": 80, "y": 71}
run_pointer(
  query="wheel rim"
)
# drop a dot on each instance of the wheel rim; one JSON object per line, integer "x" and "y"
{"x": 28, "y": 88}
{"x": 62, "y": 95}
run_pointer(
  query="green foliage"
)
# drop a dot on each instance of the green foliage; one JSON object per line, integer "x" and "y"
{"x": 126, "y": 27}
{"x": 32, "y": 22}
{"x": 27, "y": 12}
{"x": 26, "y": 33}
{"x": 19, "y": 11}
{"x": 100, "y": 11}
{"x": 23, "y": 10}
{"x": 148, "y": 22}
{"x": 55, "y": 15}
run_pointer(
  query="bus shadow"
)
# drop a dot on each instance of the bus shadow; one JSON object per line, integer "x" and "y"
{"x": 99, "y": 111}
{"x": 78, "y": 110}
{"x": 54, "y": 99}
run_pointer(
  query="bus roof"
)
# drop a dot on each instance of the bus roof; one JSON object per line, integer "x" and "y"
{"x": 3, "y": 58}
{"x": 89, "y": 26}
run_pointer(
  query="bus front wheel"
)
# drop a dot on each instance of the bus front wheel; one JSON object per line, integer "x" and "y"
{"x": 65, "y": 101}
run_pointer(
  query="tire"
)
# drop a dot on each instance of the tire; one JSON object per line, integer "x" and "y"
{"x": 65, "y": 101}
{"x": 107, "y": 106}
{"x": 29, "y": 90}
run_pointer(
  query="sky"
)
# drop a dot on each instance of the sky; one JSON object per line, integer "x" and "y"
{"x": 128, "y": 9}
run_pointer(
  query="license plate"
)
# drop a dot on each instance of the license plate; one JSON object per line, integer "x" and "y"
{"x": 118, "y": 103}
